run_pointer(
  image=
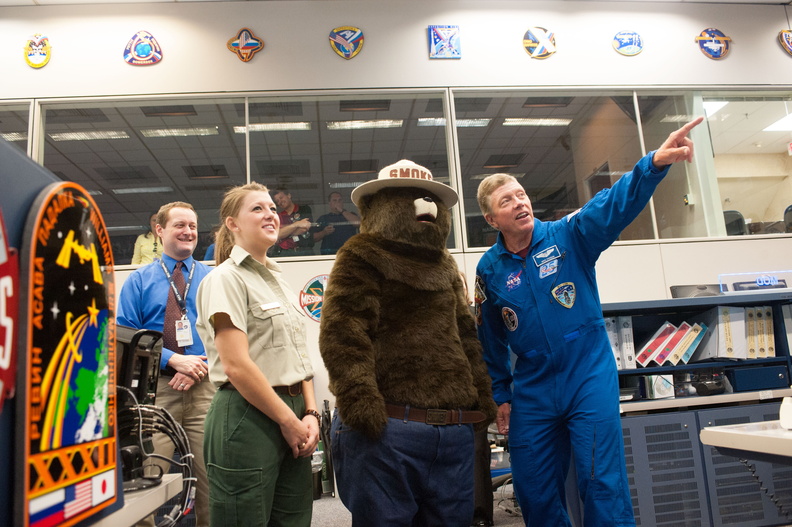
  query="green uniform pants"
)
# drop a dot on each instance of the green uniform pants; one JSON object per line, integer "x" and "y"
{"x": 253, "y": 478}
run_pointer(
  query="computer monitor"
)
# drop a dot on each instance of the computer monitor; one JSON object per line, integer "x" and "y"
{"x": 138, "y": 354}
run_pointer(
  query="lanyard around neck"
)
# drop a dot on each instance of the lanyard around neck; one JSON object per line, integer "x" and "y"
{"x": 179, "y": 299}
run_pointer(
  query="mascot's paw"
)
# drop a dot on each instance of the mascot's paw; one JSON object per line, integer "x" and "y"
{"x": 366, "y": 416}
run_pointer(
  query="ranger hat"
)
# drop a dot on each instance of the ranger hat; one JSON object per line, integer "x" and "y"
{"x": 405, "y": 173}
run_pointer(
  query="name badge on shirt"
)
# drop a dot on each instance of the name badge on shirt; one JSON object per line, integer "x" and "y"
{"x": 269, "y": 305}
{"x": 546, "y": 255}
{"x": 183, "y": 333}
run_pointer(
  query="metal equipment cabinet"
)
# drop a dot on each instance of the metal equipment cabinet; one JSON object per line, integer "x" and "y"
{"x": 674, "y": 479}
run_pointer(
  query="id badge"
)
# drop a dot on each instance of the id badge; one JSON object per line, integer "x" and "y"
{"x": 183, "y": 333}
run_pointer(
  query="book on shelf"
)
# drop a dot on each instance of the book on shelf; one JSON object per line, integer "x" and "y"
{"x": 725, "y": 337}
{"x": 750, "y": 332}
{"x": 655, "y": 344}
{"x": 626, "y": 343}
{"x": 689, "y": 344}
{"x": 669, "y": 345}
{"x": 761, "y": 334}
{"x": 786, "y": 311}
{"x": 613, "y": 339}
{"x": 769, "y": 331}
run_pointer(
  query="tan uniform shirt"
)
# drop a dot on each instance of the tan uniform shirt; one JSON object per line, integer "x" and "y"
{"x": 261, "y": 304}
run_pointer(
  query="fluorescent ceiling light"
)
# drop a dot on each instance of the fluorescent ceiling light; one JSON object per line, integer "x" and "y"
{"x": 782, "y": 125}
{"x": 128, "y": 228}
{"x": 89, "y": 136}
{"x": 15, "y": 136}
{"x": 274, "y": 127}
{"x": 536, "y": 122}
{"x": 711, "y": 107}
{"x": 361, "y": 125}
{"x": 96, "y": 193}
{"x": 141, "y": 190}
{"x": 346, "y": 184}
{"x": 460, "y": 123}
{"x": 518, "y": 175}
{"x": 676, "y": 119}
{"x": 180, "y": 132}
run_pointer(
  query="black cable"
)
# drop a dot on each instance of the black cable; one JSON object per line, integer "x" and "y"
{"x": 148, "y": 419}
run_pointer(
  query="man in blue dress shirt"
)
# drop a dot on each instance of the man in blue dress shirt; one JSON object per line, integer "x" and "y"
{"x": 183, "y": 388}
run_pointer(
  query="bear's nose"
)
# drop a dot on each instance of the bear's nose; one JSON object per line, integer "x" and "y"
{"x": 428, "y": 199}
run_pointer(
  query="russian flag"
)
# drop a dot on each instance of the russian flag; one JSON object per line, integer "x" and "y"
{"x": 47, "y": 510}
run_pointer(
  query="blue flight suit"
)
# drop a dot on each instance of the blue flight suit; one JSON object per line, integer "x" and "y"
{"x": 546, "y": 309}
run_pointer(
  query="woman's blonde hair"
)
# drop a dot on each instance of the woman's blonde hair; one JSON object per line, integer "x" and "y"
{"x": 229, "y": 208}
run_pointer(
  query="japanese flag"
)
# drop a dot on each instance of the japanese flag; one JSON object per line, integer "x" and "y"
{"x": 104, "y": 487}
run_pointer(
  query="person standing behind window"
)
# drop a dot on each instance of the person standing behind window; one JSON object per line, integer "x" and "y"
{"x": 294, "y": 238}
{"x": 148, "y": 246}
{"x": 335, "y": 227}
{"x": 148, "y": 300}
{"x": 262, "y": 426}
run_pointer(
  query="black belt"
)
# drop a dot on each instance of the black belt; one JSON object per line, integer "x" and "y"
{"x": 292, "y": 391}
{"x": 433, "y": 416}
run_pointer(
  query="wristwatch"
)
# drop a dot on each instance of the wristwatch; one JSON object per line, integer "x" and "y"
{"x": 315, "y": 414}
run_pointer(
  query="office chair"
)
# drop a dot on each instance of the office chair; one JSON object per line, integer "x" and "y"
{"x": 735, "y": 223}
{"x": 788, "y": 218}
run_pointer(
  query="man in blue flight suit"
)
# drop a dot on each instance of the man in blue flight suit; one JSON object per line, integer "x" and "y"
{"x": 536, "y": 295}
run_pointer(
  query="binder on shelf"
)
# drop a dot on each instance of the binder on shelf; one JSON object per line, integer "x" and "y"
{"x": 613, "y": 338}
{"x": 626, "y": 342}
{"x": 761, "y": 333}
{"x": 726, "y": 335}
{"x": 689, "y": 344}
{"x": 750, "y": 332}
{"x": 671, "y": 343}
{"x": 655, "y": 344}
{"x": 770, "y": 331}
{"x": 786, "y": 310}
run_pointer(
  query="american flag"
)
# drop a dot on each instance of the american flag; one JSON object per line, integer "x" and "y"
{"x": 78, "y": 498}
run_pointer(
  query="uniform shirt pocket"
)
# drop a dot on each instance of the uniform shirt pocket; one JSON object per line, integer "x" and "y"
{"x": 269, "y": 322}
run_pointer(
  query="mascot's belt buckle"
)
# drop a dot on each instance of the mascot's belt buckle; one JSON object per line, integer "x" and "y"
{"x": 436, "y": 417}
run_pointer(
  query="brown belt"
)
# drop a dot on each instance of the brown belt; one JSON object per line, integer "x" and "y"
{"x": 293, "y": 391}
{"x": 434, "y": 416}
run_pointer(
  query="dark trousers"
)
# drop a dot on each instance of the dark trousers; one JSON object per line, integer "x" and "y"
{"x": 482, "y": 479}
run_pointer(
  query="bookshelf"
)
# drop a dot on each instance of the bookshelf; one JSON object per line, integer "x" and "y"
{"x": 771, "y": 381}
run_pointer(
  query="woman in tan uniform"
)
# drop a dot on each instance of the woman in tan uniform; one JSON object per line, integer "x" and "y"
{"x": 263, "y": 426}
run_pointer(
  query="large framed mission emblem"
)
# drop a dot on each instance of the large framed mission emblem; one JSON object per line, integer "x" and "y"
{"x": 66, "y": 393}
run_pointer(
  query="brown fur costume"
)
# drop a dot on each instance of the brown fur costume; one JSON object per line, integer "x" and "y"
{"x": 395, "y": 324}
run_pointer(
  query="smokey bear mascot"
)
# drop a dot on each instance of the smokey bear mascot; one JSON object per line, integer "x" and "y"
{"x": 400, "y": 345}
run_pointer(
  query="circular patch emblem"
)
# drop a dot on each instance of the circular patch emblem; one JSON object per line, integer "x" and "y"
{"x": 346, "y": 41}
{"x": 785, "y": 39}
{"x": 628, "y": 43}
{"x": 713, "y": 43}
{"x": 38, "y": 51}
{"x": 142, "y": 49}
{"x": 509, "y": 318}
{"x": 539, "y": 42}
{"x": 245, "y": 44}
{"x": 565, "y": 294}
{"x": 312, "y": 296}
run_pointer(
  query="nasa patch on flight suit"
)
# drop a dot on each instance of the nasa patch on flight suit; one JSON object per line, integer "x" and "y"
{"x": 565, "y": 294}
{"x": 479, "y": 297}
{"x": 513, "y": 281}
{"x": 548, "y": 268}
{"x": 509, "y": 318}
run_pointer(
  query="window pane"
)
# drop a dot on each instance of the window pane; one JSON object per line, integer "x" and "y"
{"x": 14, "y": 124}
{"x": 312, "y": 146}
{"x": 562, "y": 147}
{"x": 135, "y": 157}
{"x": 751, "y": 136}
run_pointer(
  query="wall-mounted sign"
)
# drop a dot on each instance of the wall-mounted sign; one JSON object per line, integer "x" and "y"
{"x": 785, "y": 39}
{"x": 444, "y": 42}
{"x": 142, "y": 49}
{"x": 628, "y": 43}
{"x": 312, "y": 296}
{"x": 539, "y": 42}
{"x": 245, "y": 44}
{"x": 346, "y": 41}
{"x": 66, "y": 392}
{"x": 37, "y": 51}
{"x": 714, "y": 43}
{"x": 9, "y": 303}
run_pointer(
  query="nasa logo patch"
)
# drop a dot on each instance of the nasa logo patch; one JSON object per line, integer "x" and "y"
{"x": 714, "y": 43}
{"x": 312, "y": 296}
{"x": 539, "y": 42}
{"x": 142, "y": 50}
{"x": 346, "y": 41}
{"x": 509, "y": 318}
{"x": 628, "y": 43}
{"x": 245, "y": 44}
{"x": 38, "y": 51}
{"x": 513, "y": 281}
{"x": 785, "y": 39}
